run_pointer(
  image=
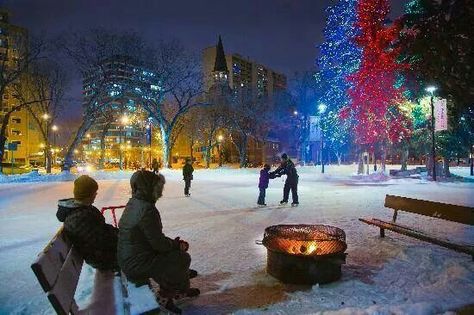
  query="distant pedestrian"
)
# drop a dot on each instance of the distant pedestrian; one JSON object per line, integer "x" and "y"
{"x": 263, "y": 184}
{"x": 155, "y": 166}
{"x": 287, "y": 167}
{"x": 187, "y": 176}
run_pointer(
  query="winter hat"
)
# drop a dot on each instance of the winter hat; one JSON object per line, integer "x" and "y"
{"x": 84, "y": 187}
{"x": 143, "y": 183}
{"x": 266, "y": 166}
{"x": 284, "y": 156}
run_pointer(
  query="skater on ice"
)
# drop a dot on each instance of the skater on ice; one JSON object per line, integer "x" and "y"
{"x": 287, "y": 167}
{"x": 95, "y": 240}
{"x": 145, "y": 252}
{"x": 187, "y": 176}
{"x": 263, "y": 184}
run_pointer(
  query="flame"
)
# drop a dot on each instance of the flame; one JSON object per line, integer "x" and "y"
{"x": 311, "y": 248}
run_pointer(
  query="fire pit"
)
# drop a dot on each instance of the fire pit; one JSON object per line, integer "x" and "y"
{"x": 305, "y": 254}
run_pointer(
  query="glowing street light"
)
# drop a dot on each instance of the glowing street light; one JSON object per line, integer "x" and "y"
{"x": 295, "y": 112}
{"x": 45, "y": 116}
{"x": 431, "y": 89}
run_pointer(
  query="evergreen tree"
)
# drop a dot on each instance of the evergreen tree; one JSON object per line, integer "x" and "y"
{"x": 375, "y": 96}
{"x": 339, "y": 57}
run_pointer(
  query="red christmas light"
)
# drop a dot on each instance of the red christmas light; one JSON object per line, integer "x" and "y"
{"x": 373, "y": 108}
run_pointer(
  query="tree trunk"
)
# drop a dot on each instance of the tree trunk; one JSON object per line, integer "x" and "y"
{"x": 48, "y": 158}
{"x": 368, "y": 160}
{"x": 383, "y": 158}
{"x": 375, "y": 161}
{"x": 243, "y": 156}
{"x": 446, "y": 171}
{"x": 339, "y": 157}
{"x": 3, "y": 139}
{"x": 165, "y": 147}
{"x": 68, "y": 158}
{"x": 404, "y": 159}
{"x": 102, "y": 146}
{"x": 360, "y": 167}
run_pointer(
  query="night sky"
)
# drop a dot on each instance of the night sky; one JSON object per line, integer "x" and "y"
{"x": 281, "y": 34}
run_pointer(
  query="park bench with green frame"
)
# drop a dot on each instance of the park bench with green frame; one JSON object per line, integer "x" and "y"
{"x": 438, "y": 210}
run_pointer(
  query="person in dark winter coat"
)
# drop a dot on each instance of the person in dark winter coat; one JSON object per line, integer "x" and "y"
{"x": 263, "y": 184}
{"x": 187, "y": 176}
{"x": 287, "y": 167}
{"x": 85, "y": 226}
{"x": 144, "y": 251}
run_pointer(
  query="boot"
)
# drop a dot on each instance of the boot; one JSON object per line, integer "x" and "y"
{"x": 166, "y": 301}
{"x": 192, "y": 273}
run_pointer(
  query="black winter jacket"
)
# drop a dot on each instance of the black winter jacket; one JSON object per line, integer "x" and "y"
{"x": 85, "y": 226}
{"x": 141, "y": 238}
{"x": 286, "y": 168}
{"x": 188, "y": 170}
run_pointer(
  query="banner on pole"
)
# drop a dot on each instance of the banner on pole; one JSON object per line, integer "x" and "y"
{"x": 441, "y": 115}
{"x": 314, "y": 128}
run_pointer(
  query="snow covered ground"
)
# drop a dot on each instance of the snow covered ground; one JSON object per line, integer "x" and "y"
{"x": 395, "y": 275}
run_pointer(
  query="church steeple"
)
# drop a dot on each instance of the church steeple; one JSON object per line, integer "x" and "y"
{"x": 220, "y": 64}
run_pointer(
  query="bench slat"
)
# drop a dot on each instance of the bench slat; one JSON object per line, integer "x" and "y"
{"x": 62, "y": 294}
{"x": 50, "y": 261}
{"x": 455, "y": 213}
{"x": 419, "y": 235}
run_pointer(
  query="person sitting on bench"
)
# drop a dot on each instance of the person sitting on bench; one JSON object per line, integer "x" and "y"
{"x": 145, "y": 252}
{"x": 85, "y": 226}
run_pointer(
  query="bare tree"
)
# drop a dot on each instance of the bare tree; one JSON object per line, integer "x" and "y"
{"x": 181, "y": 86}
{"x": 90, "y": 51}
{"x": 15, "y": 61}
{"x": 45, "y": 84}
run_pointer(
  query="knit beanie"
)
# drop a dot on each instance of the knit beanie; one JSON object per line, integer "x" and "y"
{"x": 284, "y": 156}
{"x": 84, "y": 187}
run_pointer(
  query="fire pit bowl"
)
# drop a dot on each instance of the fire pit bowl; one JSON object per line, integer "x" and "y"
{"x": 305, "y": 254}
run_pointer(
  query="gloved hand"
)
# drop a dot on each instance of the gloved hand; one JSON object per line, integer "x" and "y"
{"x": 183, "y": 245}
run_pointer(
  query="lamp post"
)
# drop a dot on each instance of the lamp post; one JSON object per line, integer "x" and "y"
{"x": 219, "y": 149}
{"x": 321, "y": 109}
{"x": 431, "y": 90}
{"x": 55, "y": 129}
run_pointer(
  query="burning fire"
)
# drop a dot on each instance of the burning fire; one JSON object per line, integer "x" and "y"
{"x": 308, "y": 250}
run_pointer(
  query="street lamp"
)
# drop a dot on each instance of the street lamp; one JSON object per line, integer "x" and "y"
{"x": 321, "y": 109}
{"x": 219, "y": 149}
{"x": 55, "y": 129}
{"x": 431, "y": 89}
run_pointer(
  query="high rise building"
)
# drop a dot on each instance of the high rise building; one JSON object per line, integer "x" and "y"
{"x": 22, "y": 131}
{"x": 120, "y": 126}
{"x": 241, "y": 72}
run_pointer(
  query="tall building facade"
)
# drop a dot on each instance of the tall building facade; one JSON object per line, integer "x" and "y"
{"x": 242, "y": 73}
{"x": 22, "y": 131}
{"x": 121, "y": 124}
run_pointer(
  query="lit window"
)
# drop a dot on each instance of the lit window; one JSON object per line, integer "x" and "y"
{"x": 16, "y": 120}
{"x": 16, "y": 132}
{"x": 154, "y": 87}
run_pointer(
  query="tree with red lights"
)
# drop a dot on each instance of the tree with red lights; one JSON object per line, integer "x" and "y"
{"x": 373, "y": 109}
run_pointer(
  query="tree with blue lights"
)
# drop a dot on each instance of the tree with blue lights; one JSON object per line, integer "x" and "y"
{"x": 339, "y": 57}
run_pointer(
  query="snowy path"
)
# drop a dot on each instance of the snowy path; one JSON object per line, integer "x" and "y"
{"x": 396, "y": 274}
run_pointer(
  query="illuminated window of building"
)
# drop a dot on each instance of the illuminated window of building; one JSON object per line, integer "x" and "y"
{"x": 16, "y": 120}
{"x": 16, "y": 132}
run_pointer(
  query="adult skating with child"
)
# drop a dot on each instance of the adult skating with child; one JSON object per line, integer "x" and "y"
{"x": 287, "y": 167}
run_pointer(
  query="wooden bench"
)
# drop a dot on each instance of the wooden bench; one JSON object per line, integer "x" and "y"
{"x": 449, "y": 212}
{"x": 58, "y": 268}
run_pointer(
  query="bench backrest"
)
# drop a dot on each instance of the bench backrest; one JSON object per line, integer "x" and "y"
{"x": 58, "y": 268}
{"x": 460, "y": 214}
